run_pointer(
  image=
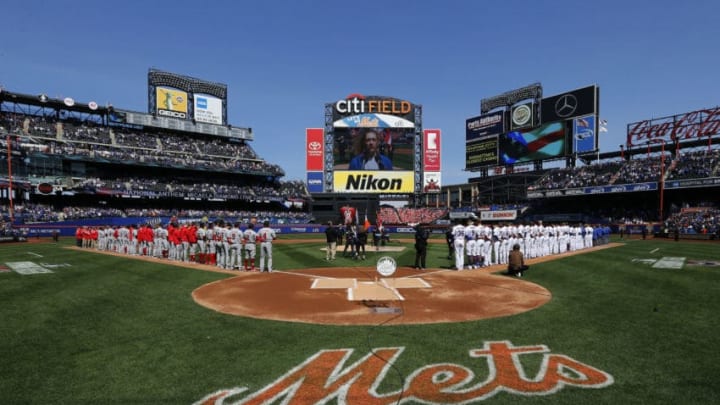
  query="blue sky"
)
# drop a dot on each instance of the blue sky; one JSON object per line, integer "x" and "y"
{"x": 283, "y": 60}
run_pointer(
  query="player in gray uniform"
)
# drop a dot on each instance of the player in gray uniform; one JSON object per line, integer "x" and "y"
{"x": 234, "y": 238}
{"x": 249, "y": 238}
{"x": 200, "y": 234}
{"x": 266, "y": 235}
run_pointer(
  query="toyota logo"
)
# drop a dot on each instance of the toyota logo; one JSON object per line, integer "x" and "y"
{"x": 566, "y": 105}
{"x": 314, "y": 146}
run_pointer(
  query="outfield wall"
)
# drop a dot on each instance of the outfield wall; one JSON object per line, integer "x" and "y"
{"x": 67, "y": 228}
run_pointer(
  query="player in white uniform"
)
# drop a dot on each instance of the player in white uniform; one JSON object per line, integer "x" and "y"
{"x": 458, "y": 233}
{"x": 588, "y": 236}
{"x": 249, "y": 238}
{"x": 201, "y": 234}
{"x": 235, "y": 239}
{"x": 266, "y": 235}
{"x": 470, "y": 243}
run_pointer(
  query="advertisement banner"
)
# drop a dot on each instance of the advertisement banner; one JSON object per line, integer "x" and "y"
{"x": 504, "y": 215}
{"x": 483, "y": 152}
{"x": 482, "y": 126}
{"x": 315, "y": 182}
{"x": 692, "y": 125}
{"x": 431, "y": 182}
{"x": 208, "y": 109}
{"x": 568, "y": 105}
{"x": 431, "y": 150}
{"x": 584, "y": 135}
{"x": 522, "y": 116}
{"x": 357, "y": 110}
{"x": 171, "y": 102}
{"x": 373, "y": 181}
{"x": 314, "y": 148}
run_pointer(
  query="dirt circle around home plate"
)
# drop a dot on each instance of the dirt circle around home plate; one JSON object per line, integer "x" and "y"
{"x": 439, "y": 296}
{"x": 413, "y": 296}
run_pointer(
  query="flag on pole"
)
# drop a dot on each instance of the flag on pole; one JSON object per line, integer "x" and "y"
{"x": 367, "y": 222}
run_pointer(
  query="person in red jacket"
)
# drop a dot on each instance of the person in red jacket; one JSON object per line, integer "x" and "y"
{"x": 78, "y": 236}
{"x": 173, "y": 241}
{"x": 192, "y": 240}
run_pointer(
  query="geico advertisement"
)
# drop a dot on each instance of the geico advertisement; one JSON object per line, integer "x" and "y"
{"x": 373, "y": 181}
{"x": 171, "y": 102}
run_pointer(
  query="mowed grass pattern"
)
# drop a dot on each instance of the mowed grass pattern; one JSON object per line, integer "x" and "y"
{"x": 112, "y": 330}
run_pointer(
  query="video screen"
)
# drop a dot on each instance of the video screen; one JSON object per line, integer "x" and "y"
{"x": 483, "y": 152}
{"x": 544, "y": 142}
{"x": 374, "y": 149}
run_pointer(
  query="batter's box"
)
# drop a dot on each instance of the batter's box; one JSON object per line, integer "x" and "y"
{"x": 410, "y": 282}
{"x": 333, "y": 283}
{"x": 370, "y": 290}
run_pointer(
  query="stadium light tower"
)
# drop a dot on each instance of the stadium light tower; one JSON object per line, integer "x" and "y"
{"x": 661, "y": 182}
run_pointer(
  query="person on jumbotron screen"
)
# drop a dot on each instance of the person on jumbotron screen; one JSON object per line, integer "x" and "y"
{"x": 368, "y": 153}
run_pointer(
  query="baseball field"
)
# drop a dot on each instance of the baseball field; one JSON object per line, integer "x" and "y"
{"x": 635, "y": 322}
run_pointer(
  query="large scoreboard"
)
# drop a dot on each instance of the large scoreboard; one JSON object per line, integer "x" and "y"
{"x": 373, "y": 144}
{"x": 521, "y": 126}
{"x": 177, "y": 96}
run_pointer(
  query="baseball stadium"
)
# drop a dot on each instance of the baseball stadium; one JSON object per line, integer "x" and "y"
{"x": 154, "y": 257}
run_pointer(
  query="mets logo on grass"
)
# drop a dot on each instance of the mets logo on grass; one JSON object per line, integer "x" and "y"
{"x": 325, "y": 377}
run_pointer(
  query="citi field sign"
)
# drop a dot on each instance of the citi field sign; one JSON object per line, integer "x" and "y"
{"x": 373, "y": 111}
{"x": 326, "y": 378}
{"x": 355, "y": 104}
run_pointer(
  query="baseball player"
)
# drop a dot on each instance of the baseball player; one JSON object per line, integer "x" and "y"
{"x": 249, "y": 238}
{"x": 266, "y": 235}
{"x": 458, "y": 233}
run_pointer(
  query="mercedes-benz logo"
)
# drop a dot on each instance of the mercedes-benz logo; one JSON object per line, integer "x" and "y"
{"x": 566, "y": 105}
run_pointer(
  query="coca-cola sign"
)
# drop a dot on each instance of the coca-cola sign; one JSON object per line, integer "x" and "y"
{"x": 677, "y": 128}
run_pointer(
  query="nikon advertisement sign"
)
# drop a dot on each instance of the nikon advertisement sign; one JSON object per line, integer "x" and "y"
{"x": 373, "y": 181}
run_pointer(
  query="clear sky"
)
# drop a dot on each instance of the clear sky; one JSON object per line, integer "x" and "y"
{"x": 283, "y": 60}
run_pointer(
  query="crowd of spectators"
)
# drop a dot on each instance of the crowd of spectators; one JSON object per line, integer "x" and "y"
{"x": 642, "y": 170}
{"x": 388, "y": 215}
{"x": 405, "y": 215}
{"x": 695, "y": 221}
{"x": 177, "y": 187}
{"x": 695, "y": 164}
{"x": 149, "y": 146}
{"x": 29, "y": 213}
{"x": 586, "y": 176}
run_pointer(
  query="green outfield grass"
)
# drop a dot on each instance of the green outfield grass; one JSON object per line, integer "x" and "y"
{"x": 111, "y": 330}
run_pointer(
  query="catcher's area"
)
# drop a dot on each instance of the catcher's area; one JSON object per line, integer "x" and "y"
{"x": 359, "y": 296}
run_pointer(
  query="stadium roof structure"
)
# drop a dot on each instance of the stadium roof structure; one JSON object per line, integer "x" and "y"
{"x": 161, "y": 78}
